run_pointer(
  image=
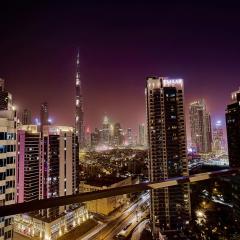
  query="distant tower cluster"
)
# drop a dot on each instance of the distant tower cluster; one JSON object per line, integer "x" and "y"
{"x": 170, "y": 206}
{"x": 79, "y": 124}
{"x": 200, "y": 122}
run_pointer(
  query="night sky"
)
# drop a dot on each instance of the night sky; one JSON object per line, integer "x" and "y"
{"x": 120, "y": 45}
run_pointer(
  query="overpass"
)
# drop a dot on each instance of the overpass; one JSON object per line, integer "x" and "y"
{"x": 88, "y": 196}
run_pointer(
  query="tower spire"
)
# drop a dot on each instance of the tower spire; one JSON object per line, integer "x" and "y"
{"x": 79, "y": 105}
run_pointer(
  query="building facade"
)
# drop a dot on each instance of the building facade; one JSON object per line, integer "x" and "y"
{"x": 218, "y": 145}
{"x": 5, "y": 97}
{"x": 105, "y": 205}
{"x": 7, "y": 160}
{"x": 79, "y": 114}
{"x": 233, "y": 137}
{"x": 170, "y": 207}
{"x": 44, "y": 115}
{"x": 200, "y": 123}
{"x": 142, "y": 135}
{"x": 26, "y": 117}
{"x": 118, "y": 137}
{"x": 48, "y": 167}
{"x": 59, "y": 165}
{"x": 129, "y": 137}
{"x": 28, "y": 163}
{"x": 105, "y": 132}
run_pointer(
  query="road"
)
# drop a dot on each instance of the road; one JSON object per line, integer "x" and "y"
{"x": 137, "y": 232}
{"x": 110, "y": 229}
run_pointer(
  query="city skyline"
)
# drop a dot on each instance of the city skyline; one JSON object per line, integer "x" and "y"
{"x": 114, "y": 63}
{"x": 116, "y": 120}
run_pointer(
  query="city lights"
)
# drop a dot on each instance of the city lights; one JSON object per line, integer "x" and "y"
{"x": 119, "y": 121}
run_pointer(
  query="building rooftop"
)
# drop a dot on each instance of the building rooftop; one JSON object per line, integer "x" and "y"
{"x": 103, "y": 181}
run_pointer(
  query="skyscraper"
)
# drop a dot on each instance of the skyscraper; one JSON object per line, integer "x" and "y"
{"x": 141, "y": 135}
{"x": 95, "y": 138}
{"x": 105, "y": 132}
{"x": 129, "y": 137}
{"x": 48, "y": 167}
{"x": 218, "y": 138}
{"x": 200, "y": 123}
{"x": 7, "y": 159}
{"x": 59, "y": 164}
{"x": 79, "y": 124}
{"x": 44, "y": 115}
{"x": 26, "y": 117}
{"x": 118, "y": 135}
{"x": 170, "y": 207}
{"x": 233, "y": 137}
{"x": 5, "y": 97}
{"x": 28, "y": 163}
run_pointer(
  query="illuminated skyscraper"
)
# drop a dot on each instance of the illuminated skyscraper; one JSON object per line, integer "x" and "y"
{"x": 79, "y": 124}
{"x": 118, "y": 135}
{"x": 95, "y": 138}
{"x": 141, "y": 135}
{"x": 233, "y": 137}
{"x": 170, "y": 207}
{"x": 218, "y": 138}
{"x": 44, "y": 115}
{"x": 200, "y": 123}
{"x": 5, "y": 97}
{"x": 129, "y": 137}
{"x": 7, "y": 159}
{"x": 105, "y": 132}
{"x": 26, "y": 117}
{"x": 59, "y": 165}
{"x": 28, "y": 163}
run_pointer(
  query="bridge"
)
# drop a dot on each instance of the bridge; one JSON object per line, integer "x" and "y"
{"x": 25, "y": 207}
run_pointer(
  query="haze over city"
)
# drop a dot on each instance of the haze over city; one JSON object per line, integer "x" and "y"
{"x": 120, "y": 45}
{"x": 119, "y": 120}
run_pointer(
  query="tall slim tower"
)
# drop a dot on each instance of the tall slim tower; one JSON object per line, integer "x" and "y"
{"x": 79, "y": 107}
{"x": 200, "y": 121}
{"x": 170, "y": 206}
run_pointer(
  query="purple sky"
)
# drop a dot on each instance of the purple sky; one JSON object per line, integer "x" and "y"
{"x": 120, "y": 45}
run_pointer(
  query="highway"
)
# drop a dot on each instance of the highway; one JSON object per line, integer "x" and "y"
{"x": 107, "y": 231}
{"x": 137, "y": 232}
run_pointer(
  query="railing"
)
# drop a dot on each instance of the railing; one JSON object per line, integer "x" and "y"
{"x": 88, "y": 196}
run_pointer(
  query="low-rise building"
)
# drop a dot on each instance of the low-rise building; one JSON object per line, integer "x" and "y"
{"x": 39, "y": 227}
{"x": 105, "y": 205}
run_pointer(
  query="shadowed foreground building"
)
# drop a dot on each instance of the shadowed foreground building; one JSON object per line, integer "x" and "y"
{"x": 170, "y": 207}
{"x": 233, "y": 137}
